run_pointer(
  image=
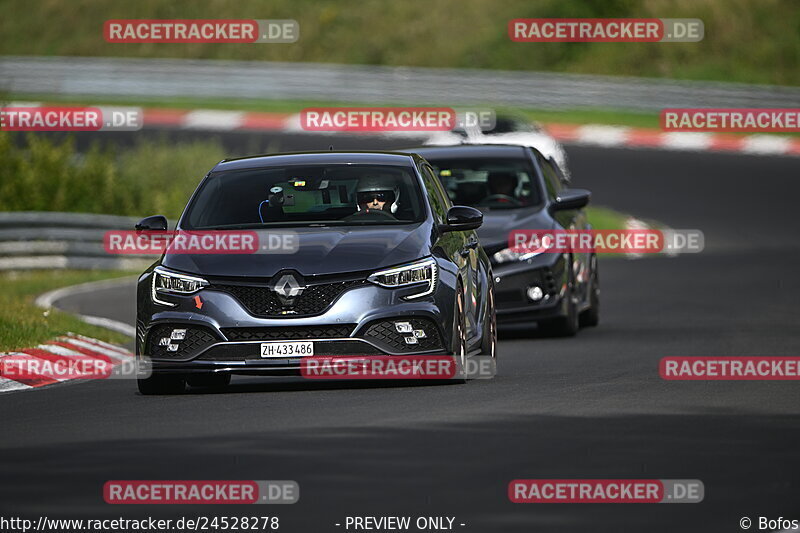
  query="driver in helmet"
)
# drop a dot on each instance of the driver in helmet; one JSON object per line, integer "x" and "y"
{"x": 502, "y": 183}
{"x": 377, "y": 194}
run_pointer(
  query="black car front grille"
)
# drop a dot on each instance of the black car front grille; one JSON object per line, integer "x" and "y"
{"x": 264, "y": 302}
{"x": 298, "y": 332}
{"x": 384, "y": 333}
{"x": 196, "y": 339}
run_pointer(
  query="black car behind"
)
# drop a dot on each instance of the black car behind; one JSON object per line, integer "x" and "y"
{"x": 519, "y": 189}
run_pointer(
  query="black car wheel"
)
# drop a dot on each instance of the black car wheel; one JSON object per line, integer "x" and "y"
{"x": 460, "y": 337}
{"x": 161, "y": 385}
{"x": 591, "y": 317}
{"x": 489, "y": 344}
{"x": 569, "y": 324}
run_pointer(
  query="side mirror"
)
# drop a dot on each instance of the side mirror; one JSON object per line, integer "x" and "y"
{"x": 571, "y": 199}
{"x": 153, "y": 223}
{"x": 462, "y": 218}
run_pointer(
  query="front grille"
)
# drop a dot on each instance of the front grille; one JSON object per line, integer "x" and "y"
{"x": 262, "y": 301}
{"x": 384, "y": 333}
{"x": 196, "y": 338}
{"x": 280, "y": 333}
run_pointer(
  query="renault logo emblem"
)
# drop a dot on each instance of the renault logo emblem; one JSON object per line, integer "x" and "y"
{"x": 287, "y": 287}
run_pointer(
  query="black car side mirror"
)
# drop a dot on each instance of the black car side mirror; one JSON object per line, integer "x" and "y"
{"x": 571, "y": 199}
{"x": 153, "y": 223}
{"x": 462, "y": 218}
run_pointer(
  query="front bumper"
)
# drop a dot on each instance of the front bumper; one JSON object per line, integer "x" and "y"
{"x": 223, "y": 336}
{"x": 512, "y": 281}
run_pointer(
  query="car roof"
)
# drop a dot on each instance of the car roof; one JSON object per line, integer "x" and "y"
{"x": 317, "y": 158}
{"x": 472, "y": 150}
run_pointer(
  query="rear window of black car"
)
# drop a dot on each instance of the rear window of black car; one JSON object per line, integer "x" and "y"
{"x": 305, "y": 195}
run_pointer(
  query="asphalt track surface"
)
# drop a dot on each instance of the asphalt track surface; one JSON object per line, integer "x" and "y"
{"x": 592, "y": 406}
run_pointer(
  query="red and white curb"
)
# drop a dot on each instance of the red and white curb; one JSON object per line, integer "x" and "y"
{"x": 588, "y": 134}
{"x": 614, "y": 136}
{"x": 63, "y": 350}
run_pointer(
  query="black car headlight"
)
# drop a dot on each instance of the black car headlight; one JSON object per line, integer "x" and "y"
{"x": 168, "y": 282}
{"x": 423, "y": 273}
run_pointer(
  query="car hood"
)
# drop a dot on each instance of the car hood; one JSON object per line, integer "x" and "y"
{"x": 498, "y": 224}
{"x": 320, "y": 251}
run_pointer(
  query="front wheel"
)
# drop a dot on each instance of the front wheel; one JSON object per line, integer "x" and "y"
{"x": 459, "y": 341}
{"x": 489, "y": 343}
{"x": 568, "y": 324}
{"x": 591, "y": 317}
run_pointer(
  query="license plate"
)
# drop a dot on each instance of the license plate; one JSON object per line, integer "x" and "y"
{"x": 287, "y": 349}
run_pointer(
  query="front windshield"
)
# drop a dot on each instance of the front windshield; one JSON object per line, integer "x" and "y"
{"x": 339, "y": 195}
{"x": 488, "y": 183}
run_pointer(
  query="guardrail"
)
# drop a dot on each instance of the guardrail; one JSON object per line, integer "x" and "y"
{"x": 142, "y": 78}
{"x": 46, "y": 240}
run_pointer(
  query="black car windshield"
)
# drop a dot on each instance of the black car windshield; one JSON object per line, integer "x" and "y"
{"x": 340, "y": 195}
{"x": 488, "y": 183}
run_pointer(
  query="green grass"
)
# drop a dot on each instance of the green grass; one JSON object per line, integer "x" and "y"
{"x": 23, "y": 324}
{"x": 151, "y": 177}
{"x": 606, "y": 218}
{"x": 745, "y": 40}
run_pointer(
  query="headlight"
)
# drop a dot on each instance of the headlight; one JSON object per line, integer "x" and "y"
{"x": 167, "y": 282}
{"x": 422, "y": 273}
{"x": 507, "y": 255}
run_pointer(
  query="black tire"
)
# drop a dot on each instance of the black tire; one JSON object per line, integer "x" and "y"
{"x": 459, "y": 340}
{"x": 160, "y": 384}
{"x": 591, "y": 317}
{"x": 489, "y": 342}
{"x": 569, "y": 324}
{"x": 209, "y": 381}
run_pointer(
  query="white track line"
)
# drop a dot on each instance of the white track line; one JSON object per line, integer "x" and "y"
{"x": 47, "y": 299}
{"x": 213, "y": 120}
{"x": 95, "y": 348}
{"x": 98, "y": 342}
{"x": 685, "y": 140}
{"x": 8, "y": 385}
{"x": 766, "y": 144}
